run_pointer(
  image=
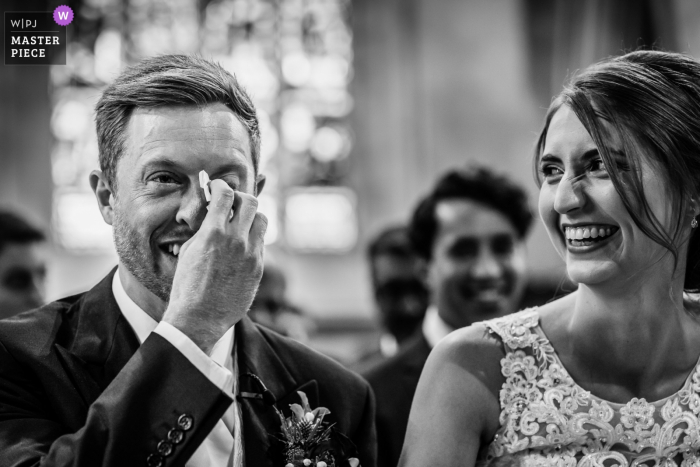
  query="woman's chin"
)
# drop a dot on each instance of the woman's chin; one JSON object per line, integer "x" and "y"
{"x": 591, "y": 272}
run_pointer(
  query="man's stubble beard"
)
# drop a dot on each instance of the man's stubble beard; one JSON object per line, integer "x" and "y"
{"x": 136, "y": 255}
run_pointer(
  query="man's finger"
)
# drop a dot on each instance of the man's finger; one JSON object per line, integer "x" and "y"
{"x": 257, "y": 231}
{"x": 245, "y": 207}
{"x": 222, "y": 200}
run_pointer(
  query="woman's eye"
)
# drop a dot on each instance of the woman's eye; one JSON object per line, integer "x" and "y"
{"x": 551, "y": 171}
{"x": 598, "y": 166}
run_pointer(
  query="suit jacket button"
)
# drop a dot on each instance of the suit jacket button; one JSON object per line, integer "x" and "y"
{"x": 175, "y": 436}
{"x": 164, "y": 448}
{"x": 154, "y": 460}
{"x": 185, "y": 422}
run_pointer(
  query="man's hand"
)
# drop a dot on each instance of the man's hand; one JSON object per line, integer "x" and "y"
{"x": 219, "y": 268}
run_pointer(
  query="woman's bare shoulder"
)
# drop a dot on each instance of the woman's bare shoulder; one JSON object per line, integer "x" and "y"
{"x": 475, "y": 349}
{"x": 456, "y": 406}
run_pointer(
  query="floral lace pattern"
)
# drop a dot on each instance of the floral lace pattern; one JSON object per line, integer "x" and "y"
{"x": 548, "y": 420}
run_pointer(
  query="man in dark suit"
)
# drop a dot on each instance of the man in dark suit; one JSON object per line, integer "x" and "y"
{"x": 158, "y": 364}
{"x": 399, "y": 292}
{"x": 470, "y": 231}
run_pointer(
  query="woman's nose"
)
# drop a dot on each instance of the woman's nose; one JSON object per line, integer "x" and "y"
{"x": 569, "y": 195}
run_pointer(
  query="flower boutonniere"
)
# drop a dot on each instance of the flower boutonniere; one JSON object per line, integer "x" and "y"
{"x": 309, "y": 441}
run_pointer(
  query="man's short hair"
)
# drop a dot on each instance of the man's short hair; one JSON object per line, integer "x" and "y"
{"x": 475, "y": 183}
{"x": 14, "y": 229}
{"x": 166, "y": 81}
{"x": 392, "y": 241}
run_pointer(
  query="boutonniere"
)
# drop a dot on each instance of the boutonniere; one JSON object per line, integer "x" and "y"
{"x": 309, "y": 441}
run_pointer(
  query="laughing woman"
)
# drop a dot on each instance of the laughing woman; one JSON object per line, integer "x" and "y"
{"x": 609, "y": 374}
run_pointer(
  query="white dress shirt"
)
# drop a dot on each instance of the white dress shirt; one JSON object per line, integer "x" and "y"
{"x": 223, "y": 447}
{"x": 434, "y": 327}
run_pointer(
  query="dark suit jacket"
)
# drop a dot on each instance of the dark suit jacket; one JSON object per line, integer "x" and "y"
{"x": 76, "y": 389}
{"x": 394, "y": 383}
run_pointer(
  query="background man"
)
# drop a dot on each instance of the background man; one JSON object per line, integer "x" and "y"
{"x": 399, "y": 291}
{"x": 23, "y": 256}
{"x": 271, "y": 307}
{"x": 470, "y": 230}
{"x": 144, "y": 368}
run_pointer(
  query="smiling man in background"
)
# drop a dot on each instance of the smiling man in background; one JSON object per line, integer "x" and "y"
{"x": 158, "y": 364}
{"x": 470, "y": 231}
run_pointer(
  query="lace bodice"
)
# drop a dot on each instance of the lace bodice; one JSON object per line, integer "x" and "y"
{"x": 548, "y": 420}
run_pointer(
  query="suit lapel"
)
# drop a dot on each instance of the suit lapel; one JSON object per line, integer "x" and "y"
{"x": 310, "y": 388}
{"x": 416, "y": 354}
{"x": 102, "y": 344}
{"x": 260, "y": 421}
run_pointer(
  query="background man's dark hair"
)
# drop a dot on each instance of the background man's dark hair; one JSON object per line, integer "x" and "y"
{"x": 168, "y": 80}
{"x": 14, "y": 229}
{"x": 392, "y": 241}
{"x": 474, "y": 183}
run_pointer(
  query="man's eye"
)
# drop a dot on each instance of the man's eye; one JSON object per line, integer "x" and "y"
{"x": 163, "y": 178}
{"x": 464, "y": 249}
{"x": 502, "y": 244}
{"x": 18, "y": 280}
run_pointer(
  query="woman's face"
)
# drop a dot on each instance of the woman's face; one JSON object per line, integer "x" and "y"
{"x": 585, "y": 216}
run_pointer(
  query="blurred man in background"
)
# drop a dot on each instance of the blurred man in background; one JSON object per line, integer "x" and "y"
{"x": 23, "y": 256}
{"x": 272, "y": 309}
{"x": 399, "y": 291}
{"x": 470, "y": 231}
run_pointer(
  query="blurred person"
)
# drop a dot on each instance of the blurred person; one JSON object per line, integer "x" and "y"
{"x": 158, "y": 364}
{"x": 23, "y": 257}
{"x": 470, "y": 231}
{"x": 399, "y": 292}
{"x": 272, "y": 309}
{"x": 609, "y": 374}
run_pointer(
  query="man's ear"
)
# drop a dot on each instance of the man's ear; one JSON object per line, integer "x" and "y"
{"x": 259, "y": 184}
{"x": 103, "y": 194}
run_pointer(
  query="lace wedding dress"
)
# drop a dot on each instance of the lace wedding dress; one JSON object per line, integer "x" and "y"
{"x": 548, "y": 420}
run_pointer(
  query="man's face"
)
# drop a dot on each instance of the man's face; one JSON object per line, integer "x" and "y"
{"x": 158, "y": 201}
{"x": 22, "y": 277}
{"x": 478, "y": 263}
{"x": 400, "y": 292}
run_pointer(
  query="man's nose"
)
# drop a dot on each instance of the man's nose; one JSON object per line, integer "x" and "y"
{"x": 569, "y": 195}
{"x": 486, "y": 265}
{"x": 193, "y": 208}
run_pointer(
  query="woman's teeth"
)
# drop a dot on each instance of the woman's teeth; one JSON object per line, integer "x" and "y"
{"x": 174, "y": 248}
{"x": 580, "y": 233}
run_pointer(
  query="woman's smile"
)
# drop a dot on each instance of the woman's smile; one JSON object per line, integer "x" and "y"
{"x": 584, "y": 238}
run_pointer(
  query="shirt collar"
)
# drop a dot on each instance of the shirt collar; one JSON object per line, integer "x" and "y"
{"x": 434, "y": 327}
{"x": 142, "y": 323}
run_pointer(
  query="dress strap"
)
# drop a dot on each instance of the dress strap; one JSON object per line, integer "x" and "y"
{"x": 518, "y": 330}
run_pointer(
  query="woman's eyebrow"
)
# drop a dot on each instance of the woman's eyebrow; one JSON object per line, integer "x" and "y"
{"x": 549, "y": 158}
